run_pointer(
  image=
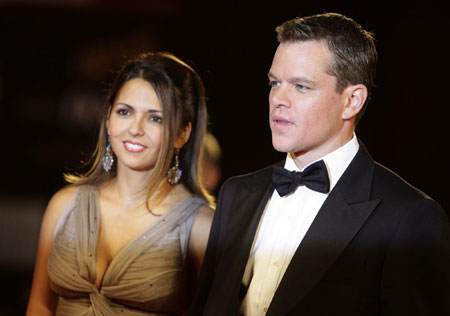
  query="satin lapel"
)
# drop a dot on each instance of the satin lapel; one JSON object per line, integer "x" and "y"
{"x": 344, "y": 212}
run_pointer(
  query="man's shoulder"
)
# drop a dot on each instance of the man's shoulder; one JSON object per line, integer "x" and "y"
{"x": 258, "y": 177}
{"x": 393, "y": 188}
{"x": 245, "y": 191}
{"x": 385, "y": 183}
{"x": 392, "y": 181}
{"x": 256, "y": 181}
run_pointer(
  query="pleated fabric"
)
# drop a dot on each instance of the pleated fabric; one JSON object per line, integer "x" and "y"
{"x": 147, "y": 277}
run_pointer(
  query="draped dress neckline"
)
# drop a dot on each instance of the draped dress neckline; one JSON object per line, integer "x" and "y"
{"x": 122, "y": 251}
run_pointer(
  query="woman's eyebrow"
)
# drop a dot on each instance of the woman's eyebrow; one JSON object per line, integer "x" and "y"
{"x": 131, "y": 107}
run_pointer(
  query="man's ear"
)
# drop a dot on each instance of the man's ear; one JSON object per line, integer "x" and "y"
{"x": 183, "y": 137}
{"x": 355, "y": 97}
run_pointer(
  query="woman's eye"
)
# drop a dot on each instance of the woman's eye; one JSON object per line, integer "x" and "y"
{"x": 155, "y": 118}
{"x": 123, "y": 112}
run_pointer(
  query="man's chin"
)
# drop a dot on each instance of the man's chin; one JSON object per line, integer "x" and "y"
{"x": 280, "y": 146}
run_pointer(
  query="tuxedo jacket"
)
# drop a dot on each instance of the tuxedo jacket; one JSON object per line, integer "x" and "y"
{"x": 377, "y": 246}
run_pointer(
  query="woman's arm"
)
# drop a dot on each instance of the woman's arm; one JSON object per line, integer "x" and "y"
{"x": 42, "y": 300}
{"x": 199, "y": 238}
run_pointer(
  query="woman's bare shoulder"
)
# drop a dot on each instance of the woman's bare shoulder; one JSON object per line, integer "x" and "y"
{"x": 60, "y": 199}
{"x": 202, "y": 222}
{"x": 205, "y": 213}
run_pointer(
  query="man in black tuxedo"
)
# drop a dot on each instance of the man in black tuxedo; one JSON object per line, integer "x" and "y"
{"x": 333, "y": 232}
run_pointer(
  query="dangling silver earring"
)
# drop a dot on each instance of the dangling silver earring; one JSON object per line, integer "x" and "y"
{"x": 174, "y": 173}
{"x": 108, "y": 159}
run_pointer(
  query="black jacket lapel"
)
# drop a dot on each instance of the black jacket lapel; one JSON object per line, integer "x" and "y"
{"x": 343, "y": 213}
{"x": 247, "y": 202}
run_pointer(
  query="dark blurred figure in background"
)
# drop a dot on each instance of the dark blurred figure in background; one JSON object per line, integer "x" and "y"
{"x": 210, "y": 163}
{"x": 128, "y": 237}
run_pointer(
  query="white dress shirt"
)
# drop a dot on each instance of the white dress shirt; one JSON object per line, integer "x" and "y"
{"x": 283, "y": 226}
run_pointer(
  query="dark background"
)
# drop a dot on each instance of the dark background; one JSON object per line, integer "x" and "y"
{"x": 57, "y": 60}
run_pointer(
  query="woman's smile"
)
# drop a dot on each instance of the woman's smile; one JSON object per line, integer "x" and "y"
{"x": 133, "y": 146}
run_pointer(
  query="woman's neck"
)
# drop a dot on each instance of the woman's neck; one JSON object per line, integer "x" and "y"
{"x": 129, "y": 186}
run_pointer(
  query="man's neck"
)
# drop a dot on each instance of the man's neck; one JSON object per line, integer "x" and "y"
{"x": 303, "y": 159}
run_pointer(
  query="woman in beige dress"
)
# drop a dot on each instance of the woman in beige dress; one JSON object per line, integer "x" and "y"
{"x": 128, "y": 237}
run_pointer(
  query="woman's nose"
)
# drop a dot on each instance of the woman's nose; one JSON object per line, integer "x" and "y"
{"x": 136, "y": 128}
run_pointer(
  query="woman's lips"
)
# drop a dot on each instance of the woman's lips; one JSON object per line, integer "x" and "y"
{"x": 133, "y": 146}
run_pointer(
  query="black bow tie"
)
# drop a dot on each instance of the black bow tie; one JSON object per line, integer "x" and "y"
{"x": 314, "y": 177}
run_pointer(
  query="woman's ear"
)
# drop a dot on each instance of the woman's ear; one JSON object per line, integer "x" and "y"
{"x": 108, "y": 117}
{"x": 356, "y": 96}
{"x": 183, "y": 137}
{"x": 107, "y": 125}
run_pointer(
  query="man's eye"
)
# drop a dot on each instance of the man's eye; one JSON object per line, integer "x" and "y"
{"x": 274, "y": 84}
{"x": 155, "y": 118}
{"x": 301, "y": 87}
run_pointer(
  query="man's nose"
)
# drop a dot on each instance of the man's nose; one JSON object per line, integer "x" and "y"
{"x": 279, "y": 96}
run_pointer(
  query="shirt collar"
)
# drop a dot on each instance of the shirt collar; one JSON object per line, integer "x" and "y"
{"x": 336, "y": 161}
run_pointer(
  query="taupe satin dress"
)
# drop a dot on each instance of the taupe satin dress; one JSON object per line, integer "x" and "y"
{"x": 147, "y": 277}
